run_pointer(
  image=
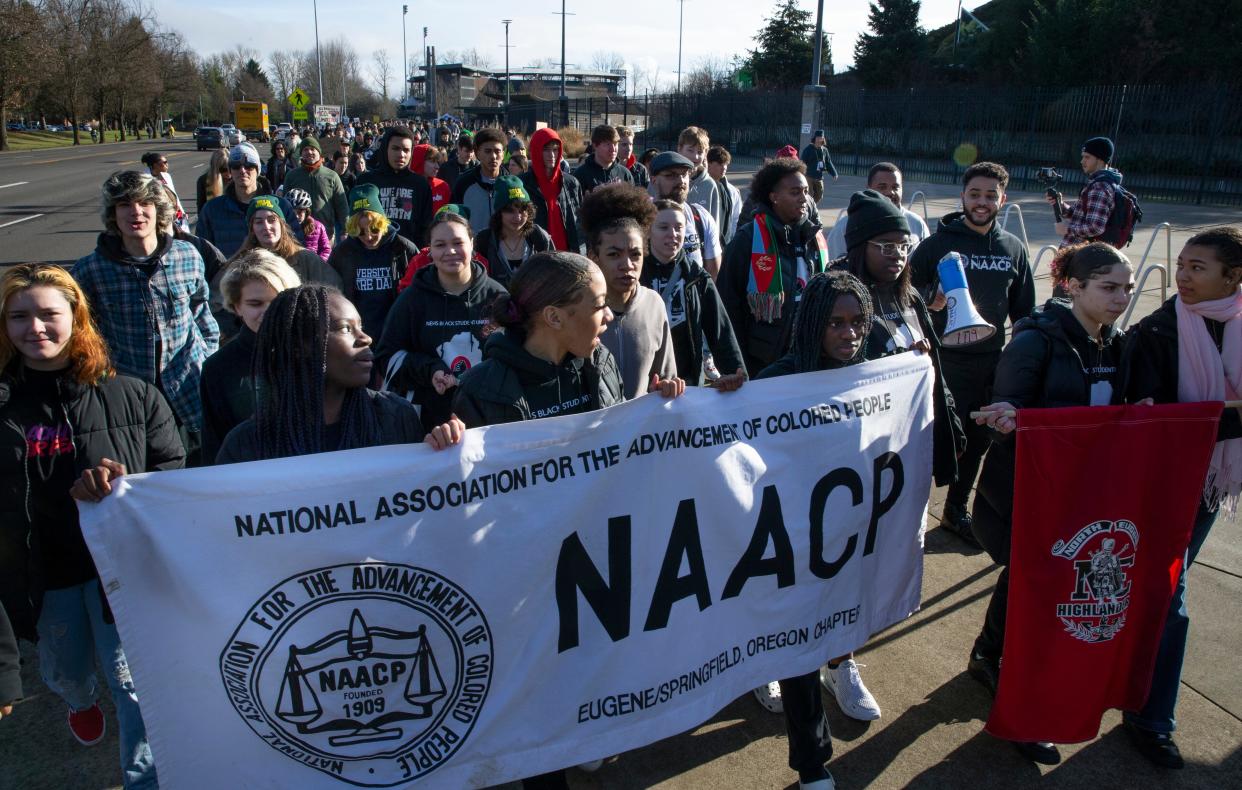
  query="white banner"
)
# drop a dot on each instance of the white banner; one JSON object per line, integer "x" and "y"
{"x": 548, "y": 593}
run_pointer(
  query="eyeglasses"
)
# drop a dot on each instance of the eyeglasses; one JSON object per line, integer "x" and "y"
{"x": 892, "y": 249}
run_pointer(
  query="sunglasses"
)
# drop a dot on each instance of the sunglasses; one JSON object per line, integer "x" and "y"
{"x": 243, "y": 166}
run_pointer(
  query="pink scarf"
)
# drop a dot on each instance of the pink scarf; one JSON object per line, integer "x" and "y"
{"x": 1205, "y": 375}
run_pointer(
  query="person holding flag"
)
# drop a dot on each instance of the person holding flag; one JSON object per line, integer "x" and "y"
{"x": 1067, "y": 353}
{"x": 1188, "y": 350}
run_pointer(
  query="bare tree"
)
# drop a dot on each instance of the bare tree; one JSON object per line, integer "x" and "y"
{"x": 635, "y": 79}
{"x": 709, "y": 74}
{"x": 23, "y": 44}
{"x": 284, "y": 69}
{"x": 607, "y": 60}
{"x": 382, "y": 71}
{"x": 651, "y": 80}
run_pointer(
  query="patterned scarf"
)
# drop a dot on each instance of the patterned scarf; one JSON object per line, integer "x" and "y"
{"x": 765, "y": 288}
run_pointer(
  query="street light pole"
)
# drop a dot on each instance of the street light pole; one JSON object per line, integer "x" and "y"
{"x": 405, "y": 59}
{"x": 506, "y": 22}
{"x": 817, "y": 63}
{"x": 318, "y": 58}
{"x": 564, "y": 98}
{"x": 681, "y": 15}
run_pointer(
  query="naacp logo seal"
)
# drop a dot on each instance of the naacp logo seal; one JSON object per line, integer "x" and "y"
{"x": 373, "y": 673}
{"x": 1100, "y": 552}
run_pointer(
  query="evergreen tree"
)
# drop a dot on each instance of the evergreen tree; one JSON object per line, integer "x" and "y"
{"x": 895, "y": 49}
{"x": 786, "y": 46}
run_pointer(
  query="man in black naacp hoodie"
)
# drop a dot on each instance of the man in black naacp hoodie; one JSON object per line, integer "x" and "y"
{"x": 998, "y": 272}
{"x": 430, "y": 330}
{"x": 405, "y": 195}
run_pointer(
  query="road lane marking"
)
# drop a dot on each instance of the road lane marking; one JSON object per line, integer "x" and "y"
{"x": 23, "y": 219}
{"x": 197, "y": 166}
{"x": 14, "y": 184}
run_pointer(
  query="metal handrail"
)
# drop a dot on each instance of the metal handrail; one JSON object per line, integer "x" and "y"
{"x": 1168, "y": 248}
{"x": 1021, "y": 221}
{"x": 1039, "y": 256}
{"x": 916, "y": 196}
{"x": 1138, "y": 291}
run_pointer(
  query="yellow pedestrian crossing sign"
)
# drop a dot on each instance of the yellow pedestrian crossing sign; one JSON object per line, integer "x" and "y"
{"x": 298, "y": 98}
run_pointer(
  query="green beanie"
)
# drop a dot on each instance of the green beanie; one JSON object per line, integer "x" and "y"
{"x": 365, "y": 198}
{"x": 264, "y": 203}
{"x": 454, "y": 208}
{"x": 312, "y": 143}
{"x": 508, "y": 189}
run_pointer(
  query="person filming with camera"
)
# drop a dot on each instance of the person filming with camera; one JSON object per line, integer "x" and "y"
{"x": 1094, "y": 217}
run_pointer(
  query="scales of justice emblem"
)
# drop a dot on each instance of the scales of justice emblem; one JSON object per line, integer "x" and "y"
{"x": 379, "y": 659}
{"x": 373, "y": 673}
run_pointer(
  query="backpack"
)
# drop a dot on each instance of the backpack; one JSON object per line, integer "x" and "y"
{"x": 1126, "y": 213}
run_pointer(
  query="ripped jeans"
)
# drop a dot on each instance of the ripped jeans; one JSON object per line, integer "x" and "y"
{"x": 72, "y": 632}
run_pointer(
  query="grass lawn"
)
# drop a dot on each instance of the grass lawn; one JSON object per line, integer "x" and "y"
{"x": 33, "y": 141}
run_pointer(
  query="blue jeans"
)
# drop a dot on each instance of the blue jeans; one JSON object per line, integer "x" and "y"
{"x": 1157, "y": 714}
{"x": 70, "y": 625}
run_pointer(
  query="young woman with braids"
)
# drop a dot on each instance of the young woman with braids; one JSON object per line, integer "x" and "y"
{"x": 548, "y": 362}
{"x": 1067, "y": 353}
{"x": 615, "y": 219}
{"x": 68, "y": 425}
{"x": 830, "y": 331}
{"x": 313, "y": 362}
{"x": 1190, "y": 349}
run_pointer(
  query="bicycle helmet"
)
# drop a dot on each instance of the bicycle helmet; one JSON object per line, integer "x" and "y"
{"x": 300, "y": 198}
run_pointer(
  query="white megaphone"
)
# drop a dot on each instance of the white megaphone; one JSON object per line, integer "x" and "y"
{"x": 965, "y": 326}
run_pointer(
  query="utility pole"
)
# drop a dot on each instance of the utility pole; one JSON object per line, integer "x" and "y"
{"x": 681, "y": 15}
{"x": 318, "y": 58}
{"x": 564, "y": 99}
{"x": 405, "y": 59}
{"x": 506, "y": 23}
{"x": 817, "y": 63}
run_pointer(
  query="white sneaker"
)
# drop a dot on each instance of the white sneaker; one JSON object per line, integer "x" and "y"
{"x": 769, "y": 697}
{"x": 852, "y": 696}
{"x": 819, "y": 784}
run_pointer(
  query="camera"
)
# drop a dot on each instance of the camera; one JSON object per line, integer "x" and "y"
{"x": 1048, "y": 177}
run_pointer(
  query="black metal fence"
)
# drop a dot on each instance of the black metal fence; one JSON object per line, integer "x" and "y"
{"x": 1174, "y": 142}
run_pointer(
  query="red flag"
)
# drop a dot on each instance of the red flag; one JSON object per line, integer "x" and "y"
{"x": 1104, "y": 501}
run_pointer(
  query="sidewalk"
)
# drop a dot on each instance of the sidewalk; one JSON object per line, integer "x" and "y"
{"x": 930, "y": 735}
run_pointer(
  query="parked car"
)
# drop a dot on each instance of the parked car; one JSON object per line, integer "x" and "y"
{"x": 16, "y": 126}
{"x": 209, "y": 137}
{"x": 232, "y": 135}
{"x": 283, "y": 130}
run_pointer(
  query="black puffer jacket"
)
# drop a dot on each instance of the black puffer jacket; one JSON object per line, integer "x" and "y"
{"x": 502, "y": 387}
{"x": 498, "y": 266}
{"x": 121, "y": 418}
{"x": 398, "y": 423}
{"x": 706, "y": 320}
{"x": 1149, "y": 369}
{"x": 1050, "y": 363}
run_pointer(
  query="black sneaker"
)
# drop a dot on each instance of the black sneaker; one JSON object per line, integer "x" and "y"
{"x": 959, "y": 522}
{"x": 1040, "y": 752}
{"x": 985, "y": 670}
{"x": 1157, "y": 747}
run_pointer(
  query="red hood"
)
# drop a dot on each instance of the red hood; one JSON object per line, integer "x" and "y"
{"x": 538, "y": 141}
{"x": 419, "y": 157}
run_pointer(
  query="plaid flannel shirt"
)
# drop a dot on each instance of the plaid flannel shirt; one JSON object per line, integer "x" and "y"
{"x": 1087, "y": 218}
{"x": 158, "y": 328}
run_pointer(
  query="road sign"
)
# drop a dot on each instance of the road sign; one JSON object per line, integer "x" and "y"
{"x": 328, "y": 113}
{"x": 298, "y": 98}
{"x": 300, "y": 115}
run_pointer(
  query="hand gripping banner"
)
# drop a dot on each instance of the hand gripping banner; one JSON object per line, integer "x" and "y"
{"x": 1104, "y": 501}
{"x": 547, "y": 593}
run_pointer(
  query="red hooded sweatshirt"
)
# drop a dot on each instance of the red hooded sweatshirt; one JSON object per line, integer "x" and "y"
{"x": 550, "y": 188}
{"x": 441, "y": 190}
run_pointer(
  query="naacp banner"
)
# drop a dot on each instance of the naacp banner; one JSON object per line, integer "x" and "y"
{"x": 544, "y": 594}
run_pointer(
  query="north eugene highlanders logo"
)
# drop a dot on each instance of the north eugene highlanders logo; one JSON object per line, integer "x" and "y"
{"x": 373, "y": 673}
{"x": 1100, "y": 553}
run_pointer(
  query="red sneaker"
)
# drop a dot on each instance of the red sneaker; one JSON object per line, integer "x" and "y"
{"x": 88, "y": 726}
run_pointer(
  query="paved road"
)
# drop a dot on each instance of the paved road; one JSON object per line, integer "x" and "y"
{"x": 49, "y": 199}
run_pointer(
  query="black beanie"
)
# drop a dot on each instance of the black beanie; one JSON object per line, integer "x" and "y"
{"x": 1100, "y": 148}
{"x": 871, "y": 214}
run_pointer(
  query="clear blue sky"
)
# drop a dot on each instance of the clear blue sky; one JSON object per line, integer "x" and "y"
{"x": 643, "y": 31}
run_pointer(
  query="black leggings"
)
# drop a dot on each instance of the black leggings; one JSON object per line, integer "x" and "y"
{"x": 810, "y": 743}
{"x": 969, "y": 377}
